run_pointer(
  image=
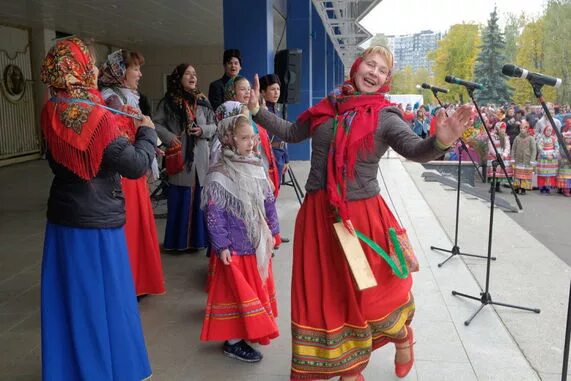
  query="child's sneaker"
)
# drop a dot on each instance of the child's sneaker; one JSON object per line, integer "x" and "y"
{"x": 242, "y": 351}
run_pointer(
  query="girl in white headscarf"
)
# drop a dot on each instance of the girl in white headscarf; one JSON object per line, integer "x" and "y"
{"x": 243, "y": 230}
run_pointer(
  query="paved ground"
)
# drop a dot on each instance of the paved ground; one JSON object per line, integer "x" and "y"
{"x": 502, "y": 345}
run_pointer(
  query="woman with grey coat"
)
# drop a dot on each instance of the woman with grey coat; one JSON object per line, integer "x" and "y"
{"x": 185, "y": 123}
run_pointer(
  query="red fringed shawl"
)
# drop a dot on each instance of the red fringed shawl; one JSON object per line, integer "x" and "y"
{"x": 357, "y": 117}
{"x": 78, "y": 144}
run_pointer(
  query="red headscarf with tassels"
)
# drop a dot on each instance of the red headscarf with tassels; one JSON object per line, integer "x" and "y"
{"x": 76, "y": 133}
{"x": 357, "y": 116}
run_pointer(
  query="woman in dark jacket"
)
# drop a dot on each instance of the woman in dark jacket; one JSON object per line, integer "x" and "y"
{"x": 91, "y": 329}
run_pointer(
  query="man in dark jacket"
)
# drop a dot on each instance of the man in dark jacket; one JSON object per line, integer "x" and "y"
{"x": 232, "y": 61}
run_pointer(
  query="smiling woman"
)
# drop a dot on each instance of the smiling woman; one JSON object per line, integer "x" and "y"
{"x": 335, "y": 325}
{"x": 119, "y": 80}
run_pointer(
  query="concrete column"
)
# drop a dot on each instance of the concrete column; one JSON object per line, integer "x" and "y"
{"x": 330, "y": 66}
{"x": 299, "y": 36}
{"x": 249, "y": 26}
{"x": 319, "y": 51}
{"x": 340, "y": 69}
{"x": 41, "y": 41}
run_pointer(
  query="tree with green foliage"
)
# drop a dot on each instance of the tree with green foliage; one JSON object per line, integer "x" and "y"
{"x": 512, "y": 30}
{"x": 489, "y": 64}
{"x": 379, "y": 39}
{"x": 456, "y": 55}
{"x": 531, "y": 55}
{"x": 403, "y": 81}
{"x": 557, "y": 45}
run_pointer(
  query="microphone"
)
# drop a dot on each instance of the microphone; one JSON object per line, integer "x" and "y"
{"x": 468, "y": 84}
{"x": 433, "y": 88}
{"x": 537, "y": 78}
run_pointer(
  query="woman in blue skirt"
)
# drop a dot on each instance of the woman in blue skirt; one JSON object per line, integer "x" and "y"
{"x": 91, "y": 329}
{"x": 185, "y": 122}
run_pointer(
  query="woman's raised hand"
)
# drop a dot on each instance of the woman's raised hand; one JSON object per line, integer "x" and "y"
{"x": 253, "y": 103}
{"x": 450, "y": 128}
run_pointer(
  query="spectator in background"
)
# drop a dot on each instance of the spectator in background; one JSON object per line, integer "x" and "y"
{"x": 232, "y": 61}
{"x": 544, "y": 121}
{"x": 408, "y": 115}
{"x": 512, "y": 124}
{"x": 420, "y": 124}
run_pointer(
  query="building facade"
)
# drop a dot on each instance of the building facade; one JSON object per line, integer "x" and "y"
{"x": 412, "y": 49}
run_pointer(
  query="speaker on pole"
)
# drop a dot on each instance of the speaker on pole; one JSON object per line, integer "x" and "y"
{"x": 287, "y": 66}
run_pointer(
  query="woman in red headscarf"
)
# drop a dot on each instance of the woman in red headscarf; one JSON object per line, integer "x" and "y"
{"x": 91, "y": 329}
{"x": 335, "y": 326}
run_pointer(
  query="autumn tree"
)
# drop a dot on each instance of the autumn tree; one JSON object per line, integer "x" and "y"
{"x": 456, "y": 55}
{"x": 531, "y": 56}
{"x": 488, "y": 70}
{"x": 512, "y": 30}
{"x": 557, "y": 46}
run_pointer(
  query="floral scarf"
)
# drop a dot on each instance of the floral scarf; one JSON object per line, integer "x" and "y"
{"x": 229, "y": 89}
{"x": 111, "y": 83}
{"x": 239, "y": 185}
{"x": 113, "y": 71}
{"x": 76, "y": 133}
{"x": 356, "y": 116}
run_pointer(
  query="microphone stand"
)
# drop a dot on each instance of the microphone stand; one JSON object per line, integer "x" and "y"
{"x": 455, "y": 248}
{"x": 537, "y": 91}
{"x": 292, "y": 179}
{"x": 485, "y": 296}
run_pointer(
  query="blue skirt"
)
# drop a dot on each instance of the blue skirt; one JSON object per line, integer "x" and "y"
{"x": 186, "y": 225}
{"x": 91, "y": 329}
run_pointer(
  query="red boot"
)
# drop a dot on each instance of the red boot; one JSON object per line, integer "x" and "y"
{"x": 401, "y": 370}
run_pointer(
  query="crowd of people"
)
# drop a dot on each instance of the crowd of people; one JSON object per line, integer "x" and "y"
{"x": 225, "y": 156}
{"x": 523, "y": 137}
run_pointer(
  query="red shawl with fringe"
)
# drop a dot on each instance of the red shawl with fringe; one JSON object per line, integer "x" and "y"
{"x": 357, "y": 117}
{"x": 76, "y": 133}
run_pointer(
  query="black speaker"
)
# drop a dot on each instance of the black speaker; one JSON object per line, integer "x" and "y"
{"x": 287, "y": 66}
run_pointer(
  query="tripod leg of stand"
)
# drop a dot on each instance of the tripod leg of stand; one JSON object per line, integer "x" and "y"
{"x": 294, "y": 179}
{"x": 456, "y": 249}
{"x": 295, "y": 185}
{"x": 467, "y": 322}
{"x": 485, "y": 296}
{"x": 567, "y": 339}
{"x": 536, "y": 310}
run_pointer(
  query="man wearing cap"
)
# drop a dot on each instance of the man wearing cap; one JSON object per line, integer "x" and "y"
{"x": 232, "y": 61}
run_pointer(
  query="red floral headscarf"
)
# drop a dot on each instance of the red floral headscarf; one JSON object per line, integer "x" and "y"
{"x": 76, "y": 133}
{"x": 357, "y": 117}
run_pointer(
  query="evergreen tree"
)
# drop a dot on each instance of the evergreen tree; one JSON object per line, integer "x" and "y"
{"x": 488, "y": 70}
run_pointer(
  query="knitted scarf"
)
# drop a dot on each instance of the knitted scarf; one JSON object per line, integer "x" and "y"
{"x": 238, "y": 185}
{"x": 356, "y": 117}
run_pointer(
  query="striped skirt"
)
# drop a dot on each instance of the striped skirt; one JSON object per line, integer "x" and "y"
{"x": 336, "y": 327}
{"x": 523, "y": 176}
{"x": 240, "y": 305}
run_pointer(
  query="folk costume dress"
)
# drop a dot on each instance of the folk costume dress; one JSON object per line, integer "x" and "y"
{"x": 524, "y": 153}
{"x": 242, "y": 218}
{"x": 502, "y": 143}
{"x": 547, "y": 158}
{"x": 177, "y": 113}
{"x": 91, "y": 329}
{"x": 140, "y": 226}
{"x": 564, "y": 174}
{"x": 335, "y": 327}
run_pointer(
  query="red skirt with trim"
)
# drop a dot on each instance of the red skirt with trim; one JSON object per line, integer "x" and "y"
{"x": 142, "y": 241}
{"x": 240, "y": 305}
{"x": 335, "y": 327}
